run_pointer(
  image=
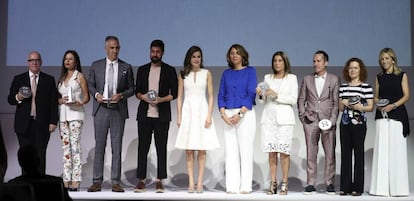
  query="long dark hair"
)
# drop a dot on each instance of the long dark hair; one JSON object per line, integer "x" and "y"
{"x": 187, "y": 60}
{"x": 64, "y": 71}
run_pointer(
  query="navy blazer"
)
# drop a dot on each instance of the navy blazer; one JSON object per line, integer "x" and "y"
{"x": 168, "y": 85}
{"x": 46, "y": 102}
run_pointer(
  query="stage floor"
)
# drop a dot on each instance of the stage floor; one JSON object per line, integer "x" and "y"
{"x": 107, "y": 194}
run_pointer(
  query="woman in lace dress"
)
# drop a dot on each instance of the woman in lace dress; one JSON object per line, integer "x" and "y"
{"x": 278, "y": 118}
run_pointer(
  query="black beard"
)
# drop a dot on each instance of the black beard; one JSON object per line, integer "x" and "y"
{"x": 156, "y": 59}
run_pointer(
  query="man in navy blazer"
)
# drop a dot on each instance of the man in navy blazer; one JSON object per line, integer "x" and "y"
{"x": 110, "y": 82}
{"x": 35, "y": 128}
{"x": 318, "y": 99}
{"x": 154, "y": 115}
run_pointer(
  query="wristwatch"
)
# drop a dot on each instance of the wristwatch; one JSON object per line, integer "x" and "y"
{"x": 241, "y": 114}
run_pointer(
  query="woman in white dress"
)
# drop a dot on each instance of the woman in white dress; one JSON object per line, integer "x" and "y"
{"x": 278, "y": 118}
{"x": 196, "y": 130}
{"x": 73, "y": 93}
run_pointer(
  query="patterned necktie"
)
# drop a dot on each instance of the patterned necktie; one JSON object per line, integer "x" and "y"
{"x": 110, "y": 80}
{"x": 34, "y": 88}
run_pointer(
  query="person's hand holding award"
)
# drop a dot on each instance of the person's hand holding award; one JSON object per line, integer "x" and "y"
{"x": 382, "y": 103}
{"x": 263, "y": 87}
{"x": 25, "y": 91}
{"x": 69, "y": 99}
{"x": 152, "y": 95}
{"x": 354, "y": 100}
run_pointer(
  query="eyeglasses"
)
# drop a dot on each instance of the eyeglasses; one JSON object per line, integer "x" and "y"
{"x": 33, "y": 60}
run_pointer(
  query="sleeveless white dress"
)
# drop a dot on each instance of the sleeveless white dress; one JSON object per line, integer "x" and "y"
{"x": 192, "y": 134}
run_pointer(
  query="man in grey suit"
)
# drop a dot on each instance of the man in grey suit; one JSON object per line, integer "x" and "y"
{"x": 318, "y": 100}
{"x": 110, "y": 82}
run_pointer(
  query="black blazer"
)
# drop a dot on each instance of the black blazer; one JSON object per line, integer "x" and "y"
{"x": 168, "y": 85}
{"x": 46, "y": 102}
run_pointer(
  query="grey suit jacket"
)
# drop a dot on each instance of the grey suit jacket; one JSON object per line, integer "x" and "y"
{"x": 311, "y": 107}
{"x": 96, "y": 83}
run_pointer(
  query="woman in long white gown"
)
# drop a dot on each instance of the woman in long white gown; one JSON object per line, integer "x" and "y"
{"x": 196, "y": 132}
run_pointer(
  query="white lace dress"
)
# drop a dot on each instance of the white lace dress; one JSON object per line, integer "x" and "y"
{"x": 277, "y": 122}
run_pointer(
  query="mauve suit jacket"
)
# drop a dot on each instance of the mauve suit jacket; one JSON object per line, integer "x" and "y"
{"x": 311, "y": 107}
{"x": 46, "y": 102}
{"x": 96, "y": 83}
{"x": 168, "y": 85}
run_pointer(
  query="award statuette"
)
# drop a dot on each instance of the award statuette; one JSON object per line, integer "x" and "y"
{"x": 325, "y": 124}
{"x": 263, "y": 86}
{"x": 354, "y": 100}
{"x": 382, "y": 103}
{"x": 70, "y": 96}
{"x": 152, "y": 95}
{"x": 25, "y": 91}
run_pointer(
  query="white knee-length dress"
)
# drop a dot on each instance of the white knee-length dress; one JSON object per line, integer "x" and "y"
{"x": 192, "y": 134}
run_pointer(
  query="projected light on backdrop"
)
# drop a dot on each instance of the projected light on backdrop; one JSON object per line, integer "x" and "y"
{"x": 343, "y": 28}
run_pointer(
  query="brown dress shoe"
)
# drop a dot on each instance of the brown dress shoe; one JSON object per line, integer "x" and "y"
{"x": 117, "y": 188}
{"x": 140, "y": 187}
{"x": 95, "y": 187}
{"x": 159, "y": 187}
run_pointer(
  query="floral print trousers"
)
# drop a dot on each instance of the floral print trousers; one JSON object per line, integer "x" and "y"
{"x": 70, "y": 132}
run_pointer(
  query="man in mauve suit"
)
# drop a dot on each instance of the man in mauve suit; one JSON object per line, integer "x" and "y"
{"x": 110, "y": 82}
{"x": 34, "y": 127}
{"x": 154, "y": 115}
{"x": 318, "y": 100}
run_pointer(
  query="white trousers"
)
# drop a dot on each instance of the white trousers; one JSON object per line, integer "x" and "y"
{"x": 389, "y": 164}
{"x": 239, "y": 152}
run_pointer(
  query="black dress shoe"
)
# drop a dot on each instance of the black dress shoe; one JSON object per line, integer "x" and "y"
{"x": 354, "y": 193}
{"x": 310, "y": 189}
{"x": 343, "y": 193}
{"x": 330, "y": 189}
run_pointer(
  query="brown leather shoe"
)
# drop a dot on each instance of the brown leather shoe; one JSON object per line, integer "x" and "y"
{"x": 140, "y": 187}
{"x": 159, "y": 187}
{"x": 95, "y": 187}
{"x": 117, "y": 188}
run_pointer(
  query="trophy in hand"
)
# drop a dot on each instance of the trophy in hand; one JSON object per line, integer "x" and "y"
{"x": 382, "y": 103}
{"x": 25, "y": 91}
{"x": 152, "y": 95}
{"x": 263, "y": 87}
{"x": 70, "y": 96}
{"x": 354, "y": 100}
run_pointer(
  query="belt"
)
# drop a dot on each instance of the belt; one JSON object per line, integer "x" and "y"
{"x": 109, "y": 105}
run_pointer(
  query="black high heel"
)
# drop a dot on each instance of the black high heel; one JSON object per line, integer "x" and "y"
{"x": 73, "y": 189}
